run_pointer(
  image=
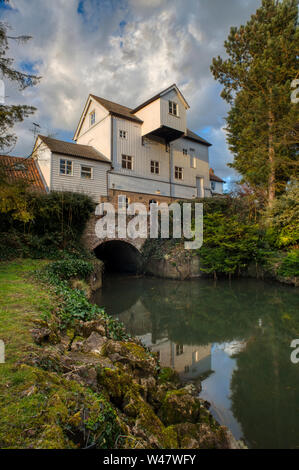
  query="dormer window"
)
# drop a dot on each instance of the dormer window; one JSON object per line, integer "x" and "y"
{"x": 123, "y": 134}
{"x": 92, "y": 118}
{"x": 173, "y": 108}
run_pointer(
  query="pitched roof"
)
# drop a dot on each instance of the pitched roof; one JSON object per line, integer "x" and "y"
{"x": 158, "y": 95}
{"x": 213, "y": 177}
{"x": 73, "y": 150}
{"x": 26, "y": 169}
{"x": 117, "y": 109}
{"x": 192, "y": 136}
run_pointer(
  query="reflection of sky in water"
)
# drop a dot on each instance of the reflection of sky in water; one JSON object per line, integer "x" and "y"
{"x": 216, "y": 388}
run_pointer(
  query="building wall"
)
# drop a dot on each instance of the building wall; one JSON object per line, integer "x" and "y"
{"x": 175, "y": 122}
{"x": 218, "y": 187}
{"x": 43, "y": 155}
{"x": 98, "y": 135}
{"x": 95, "y": 187}
{"x": 135, "y": 197}
{"x": 151, "y": 117}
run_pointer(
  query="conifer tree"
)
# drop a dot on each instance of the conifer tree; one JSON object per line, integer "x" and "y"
{"x": 11, "y": 114}
{"x": 262, "y": 124}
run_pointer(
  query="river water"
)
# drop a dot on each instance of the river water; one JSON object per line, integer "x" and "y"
{"x": 234, "y": 337}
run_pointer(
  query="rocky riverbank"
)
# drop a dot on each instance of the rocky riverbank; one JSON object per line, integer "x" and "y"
{"x": 149, "y": 406}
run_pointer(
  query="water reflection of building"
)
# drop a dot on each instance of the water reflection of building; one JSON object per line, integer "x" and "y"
{"x": 190, "y": 361}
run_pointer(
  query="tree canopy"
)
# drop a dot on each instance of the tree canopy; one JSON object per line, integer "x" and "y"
{"x": 262, "y": 124}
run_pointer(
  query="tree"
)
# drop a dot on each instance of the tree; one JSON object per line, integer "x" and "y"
{"x": 262, "y": 123}
{"x": 11, "y": 114}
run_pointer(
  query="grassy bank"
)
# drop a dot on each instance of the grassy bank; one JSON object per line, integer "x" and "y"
{"x": 87, "y": 384}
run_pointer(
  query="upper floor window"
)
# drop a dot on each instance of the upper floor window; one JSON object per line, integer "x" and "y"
{"x": 192, "y": 161}
{"x": 155, "y": 167}
{"x": 66, "y": 167}
{"x": 213, "y": 185}
{"x": 92, "y": 118}
{"x": 178, "y": 172}
{"x": 179, "y": 349}
{"x": 127, "y": 162}
{"x": 123, "y": 134}
{"x": 86, "y": 172}
{"x": 173, "y": 108}
{"x": 185, "y": 152}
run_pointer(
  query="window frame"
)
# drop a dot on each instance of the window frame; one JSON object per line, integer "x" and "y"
{"x": 155, "y": 164}
{"x": 213, "y": 185}
{"x": 123, "y": 134}
{"x": 178, "y": 170}
{"x": 125, "y": 202}
{"x": 66, "y": 161}
{"x": 124, "y": 159}
{"x": 91, "y": 172}
{"x": 193, "y": 161}
{"x": 173, "y": 108}
{"x": 92, "y": 113}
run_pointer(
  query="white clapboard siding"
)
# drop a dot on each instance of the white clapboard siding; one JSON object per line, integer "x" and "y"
{"x": 98, "y": 135}
{"x": 138, "y": 185}
{"x": 175, "y": 122}
{"x": 95, "y": 187}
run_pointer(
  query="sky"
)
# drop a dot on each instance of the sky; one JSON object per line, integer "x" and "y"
{"x": 125, "y": 51}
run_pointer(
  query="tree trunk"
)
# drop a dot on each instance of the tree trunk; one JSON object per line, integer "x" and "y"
{"x": 271, "y": 152}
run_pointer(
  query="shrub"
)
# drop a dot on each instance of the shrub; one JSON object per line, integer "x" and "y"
{"x": 290, "y": 265}
{"x": 67, "y": 268}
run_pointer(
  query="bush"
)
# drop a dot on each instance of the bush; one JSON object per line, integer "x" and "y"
{"x": 71, "y": 268}
{"x": 57, "y": 222}
{"x": 290, "y": 265}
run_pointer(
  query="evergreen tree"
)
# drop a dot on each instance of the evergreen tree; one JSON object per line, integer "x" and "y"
{"x": 262, "y": 62}
{"x": 11, "y": 114}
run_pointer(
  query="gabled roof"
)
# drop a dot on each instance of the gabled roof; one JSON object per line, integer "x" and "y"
{"x": 117, "y": 109}
{"x": 213, "y": 177}
{"x": 73, "y": 150}
{"x": 158, "y": 95}
{"x": 196, "y": 138}
{"x": 25, "y": 169}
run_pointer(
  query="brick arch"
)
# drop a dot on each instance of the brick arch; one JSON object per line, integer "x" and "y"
{"x": 91, "y": 241}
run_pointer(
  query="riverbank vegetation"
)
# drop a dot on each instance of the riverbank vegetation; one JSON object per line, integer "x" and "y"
{"x": 96, "y": 388}
{"x": 241, "y": 237}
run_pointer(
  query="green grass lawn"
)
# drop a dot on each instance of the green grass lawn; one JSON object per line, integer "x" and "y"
{"x": 22, "y": 300}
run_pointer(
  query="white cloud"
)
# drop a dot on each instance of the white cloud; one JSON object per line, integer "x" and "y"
{"x": 124, "y": 50}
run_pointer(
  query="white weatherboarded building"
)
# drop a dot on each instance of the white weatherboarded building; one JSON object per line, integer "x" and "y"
{"x": 145, "y": 154}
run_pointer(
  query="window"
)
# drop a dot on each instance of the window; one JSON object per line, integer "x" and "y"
{"x": 123, "y": 202}
{"x": 123, "y": 134}
{"x": 187, "y": 369}
{"x": 152, "y": 201}
{"x": 185, "y": 152}
{"x": 179, "y": 348}
{"x": 178, "y": 172}
{"x": 213, "y": 185}
{"x": 92, "y": 118}
{"x": 173, "y": 108}
{"x": 66, "y": 167}
{"x": 86, "y": 172}
{"x": 127, "y": 162}
{"x": 192, "y": 161}
{"x": 155, "y": 167}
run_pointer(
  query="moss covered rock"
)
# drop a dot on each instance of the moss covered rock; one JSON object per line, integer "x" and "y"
{"x": 179, "y": 406}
